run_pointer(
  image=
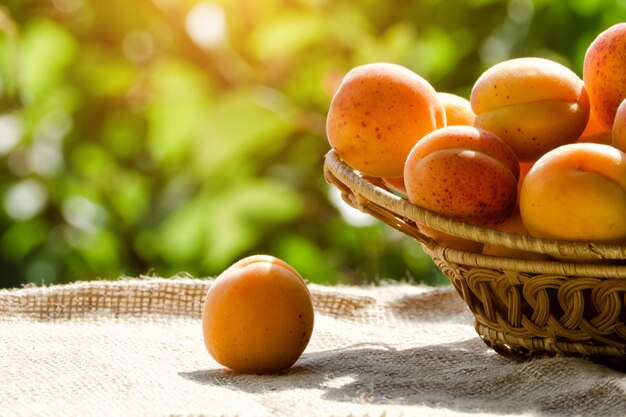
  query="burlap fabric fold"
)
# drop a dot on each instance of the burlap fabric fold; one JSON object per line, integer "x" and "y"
{"x": 134, "y": 347}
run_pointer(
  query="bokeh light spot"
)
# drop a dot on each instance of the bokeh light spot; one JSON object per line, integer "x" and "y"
{"x": 53, "y": 127}
{"x": 84, "y": 214}
{"x": 520, "y": 10}
{"x": 10, "y": 132}
{"x": 25, "y": 199}
{"x": 138, "y": 46}
{"x": 206, "y": 25}
{"x": 45, "y": 159}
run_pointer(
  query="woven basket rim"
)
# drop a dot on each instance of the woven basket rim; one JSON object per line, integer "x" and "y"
{"x": 363, "y": 194}
{"x": 527, "y": 266}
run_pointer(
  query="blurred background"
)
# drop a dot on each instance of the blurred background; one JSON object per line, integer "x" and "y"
{"x": 168, "y": 137}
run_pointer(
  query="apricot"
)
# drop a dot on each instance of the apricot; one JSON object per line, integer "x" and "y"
{"x": 603, "y": 73}
{"x": 451, "y": 241}
{"x": 618, "y": 133}
{"x": 396, "y": 186}
{"x": 577, "y": 192}
{"x": 458, "y": 109}
{"x": 464, "y": 173}
{"x": 376, "y": 116}
{"x": 524, "y": 167}
{"x": 593, "y": 126}
{"x": 533, "y": 104}
{"x": 604, "y": 138}
{"x": 258, "y": 316}
{"x": 520, "y": 180}
{"x": 513, "y": 225}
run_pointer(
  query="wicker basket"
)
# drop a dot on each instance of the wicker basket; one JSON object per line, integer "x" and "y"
{"x": 522, "y": 308}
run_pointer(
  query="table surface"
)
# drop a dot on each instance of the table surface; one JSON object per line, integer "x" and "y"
{"x": 134, "y": 347}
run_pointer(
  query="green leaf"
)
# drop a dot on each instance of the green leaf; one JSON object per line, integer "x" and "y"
{"x": 102, "y": 251}
{"x": 587, "y": 8}
{"x": 238, "y": 129}
{"x": 131, "y": 197}
{"x": 123, "y": 133}
{"x": 436, "y": 53}
{"x": 47, "y": 50}
{"x": 103, "y": 73}
{"x": 58, "y": 103}
{"x": 94, "y": 163}
{"x": 287, "y": 34}
{"x": 8, "y": 58}
{"x": 311, "y": 261}
{"x": 237, "y": 220}
{"x": 351, "y": 28}
{"x": 22, "y": 238}
{"x": 181, "y": 235}
{"x": 181, "y": 97}
{"x": 416, "y": 259}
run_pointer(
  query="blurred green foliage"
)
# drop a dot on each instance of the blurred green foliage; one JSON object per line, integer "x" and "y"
{"x": 162, "y": 136}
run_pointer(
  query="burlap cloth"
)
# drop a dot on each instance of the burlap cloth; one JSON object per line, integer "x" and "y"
{"x": 134, "y": 347}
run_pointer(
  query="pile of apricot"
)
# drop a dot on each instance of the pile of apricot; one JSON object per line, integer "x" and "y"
{"x": 536, "y": 150}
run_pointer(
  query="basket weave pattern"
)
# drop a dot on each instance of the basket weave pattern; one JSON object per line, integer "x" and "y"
{"x": 522, "y": 308}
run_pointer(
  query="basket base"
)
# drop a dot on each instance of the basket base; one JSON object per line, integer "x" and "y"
{"x": 498, "y": 300}
{"x": 520, "y": 349}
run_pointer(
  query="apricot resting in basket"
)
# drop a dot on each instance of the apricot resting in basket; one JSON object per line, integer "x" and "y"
{"x": 535, "y": 146}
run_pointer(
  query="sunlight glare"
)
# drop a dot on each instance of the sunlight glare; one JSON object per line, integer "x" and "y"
{"x": 206, "y": 25}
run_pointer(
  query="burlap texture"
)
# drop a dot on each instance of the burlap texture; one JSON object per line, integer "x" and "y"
{"x": 134, "y": 347}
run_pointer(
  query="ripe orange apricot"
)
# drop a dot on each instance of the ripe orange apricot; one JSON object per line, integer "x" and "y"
{"x": 603, "y": 73}
{"x": 577, "y": 192}
{"x": 533, "y": 104}
{"x": 465, "y": 173}
{"x": 258, "y": 316}
{"x": 458, "y": 109}
{"x": 593, "y": 126}
{"x": 524, "y": 167}
{"x": 618, "y": 133}
{"x": 603, "y": 137}
{"x": 376, "y": 116}
{"x": 396, "y": 185}
{"x": 513, "y": 225}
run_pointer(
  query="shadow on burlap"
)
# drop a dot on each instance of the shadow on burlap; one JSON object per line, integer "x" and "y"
{"x": 134, "y": 347}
